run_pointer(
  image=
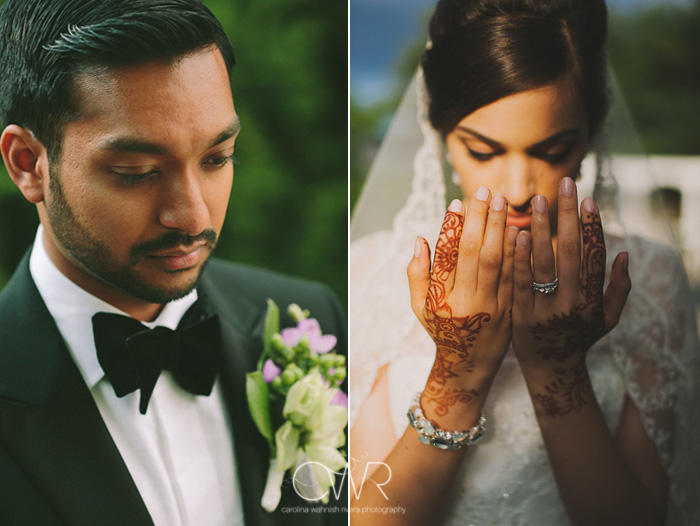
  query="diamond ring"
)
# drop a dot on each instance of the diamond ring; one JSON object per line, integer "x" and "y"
{"x": 546, "y": 288}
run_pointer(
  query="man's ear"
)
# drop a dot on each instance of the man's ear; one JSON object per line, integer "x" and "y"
{"x": 26, "y": 161}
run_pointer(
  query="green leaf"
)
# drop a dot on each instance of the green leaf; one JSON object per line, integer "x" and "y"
{"x": 271, "y": 327}
{"x": 259, "y": 404}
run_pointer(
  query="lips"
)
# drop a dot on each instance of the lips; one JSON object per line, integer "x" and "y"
{"x": 179, "y": 258}
{"x": 518, "y": 219}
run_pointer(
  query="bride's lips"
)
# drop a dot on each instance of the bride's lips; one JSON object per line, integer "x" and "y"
{"x": 179, "y": 258}
{"x": 518, "y": 219}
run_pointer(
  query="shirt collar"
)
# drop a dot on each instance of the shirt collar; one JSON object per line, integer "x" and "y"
{"x": 72, "y": 308}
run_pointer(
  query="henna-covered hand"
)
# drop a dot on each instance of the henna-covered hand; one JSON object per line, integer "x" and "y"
{"x": 464, "y": 301}
{"x": 553, "y": 332}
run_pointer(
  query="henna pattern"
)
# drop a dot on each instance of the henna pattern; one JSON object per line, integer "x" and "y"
{"x": 578, "y": 334}
{"x": 453, "y": 336}
{"x": 447, "y": 250}
{"x": 564, "y": 396}
{"x": 447, "y": 398}
{"x": 568, "y": 336}
{"x": 593, "y": 259}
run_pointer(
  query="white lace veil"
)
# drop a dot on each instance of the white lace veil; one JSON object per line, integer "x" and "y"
{"x": 656, "y": 351}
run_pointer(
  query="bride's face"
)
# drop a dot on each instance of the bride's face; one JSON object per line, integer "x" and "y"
{"x": 521, "y": 146}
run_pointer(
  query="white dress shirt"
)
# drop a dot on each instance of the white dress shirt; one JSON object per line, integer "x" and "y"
{"x": 180, "y": 452}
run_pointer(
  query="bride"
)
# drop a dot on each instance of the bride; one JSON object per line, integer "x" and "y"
{"x": 547, "y": 395}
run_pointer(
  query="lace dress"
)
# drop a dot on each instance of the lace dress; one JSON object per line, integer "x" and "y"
{"x": 506, "y": 479}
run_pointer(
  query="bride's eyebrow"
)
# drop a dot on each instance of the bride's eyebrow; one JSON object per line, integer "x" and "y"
{"x": 491, "y": 142}
{"x": 553, "y": 139}
{"x": 569, "y": 133}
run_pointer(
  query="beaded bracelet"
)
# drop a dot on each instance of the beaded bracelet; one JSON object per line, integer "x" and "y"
{"x": 430, "y": 434}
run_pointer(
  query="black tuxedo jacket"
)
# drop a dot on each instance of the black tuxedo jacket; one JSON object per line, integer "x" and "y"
{"x": 58, "y": 463}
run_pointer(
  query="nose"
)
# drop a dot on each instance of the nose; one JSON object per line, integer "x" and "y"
{"x": 183, "y": 206}
{"x": 518, "y": 185}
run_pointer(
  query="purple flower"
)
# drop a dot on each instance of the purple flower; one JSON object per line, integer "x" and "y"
{"x": 318, "y": 343}
{"x": 270, "y": 371}
{"x": 340, "y": 398}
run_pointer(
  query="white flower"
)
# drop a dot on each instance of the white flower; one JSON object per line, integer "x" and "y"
{"x": 286, "y": 444}
{"x": 305, "y": 401}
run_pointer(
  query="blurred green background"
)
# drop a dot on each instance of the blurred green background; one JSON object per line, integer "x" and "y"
{"x": 653, "y": 47}
{"x": 288, "y": 209}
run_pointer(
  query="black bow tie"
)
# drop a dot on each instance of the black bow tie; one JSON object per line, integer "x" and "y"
{"x": 132, "y": 356}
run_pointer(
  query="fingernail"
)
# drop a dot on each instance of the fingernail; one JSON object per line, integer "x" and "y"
{"x": 417, "y": 247}
{"x": 482, "y": 194}
{"x": 626, "y": 261}
{"x": 567, "y": 186}
{"x": 539, "y": 203}
{"x": 455, "y": 206}
{"x": 589, "y": 204}
{"x": 512, "y": 233}
{"x": 523, "y": 238}
{"x": 498, "y": 202}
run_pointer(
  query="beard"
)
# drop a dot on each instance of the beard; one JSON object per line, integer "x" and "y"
{"x": 98, "y": 259}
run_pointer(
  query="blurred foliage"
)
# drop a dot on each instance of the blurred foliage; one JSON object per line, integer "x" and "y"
{"x": 288, "y": 209}
{"x": 653, "y": 51}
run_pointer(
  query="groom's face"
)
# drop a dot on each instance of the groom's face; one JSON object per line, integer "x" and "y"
{"x": 137, "y": 197}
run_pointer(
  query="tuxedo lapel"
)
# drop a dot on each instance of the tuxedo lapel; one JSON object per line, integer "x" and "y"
{"x": 241, "y": 325}
{"x": 49, "y": 423}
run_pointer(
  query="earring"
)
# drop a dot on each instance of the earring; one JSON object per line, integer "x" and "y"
{"x": 455, "y": 178}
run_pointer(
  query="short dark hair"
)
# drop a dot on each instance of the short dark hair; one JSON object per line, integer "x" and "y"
{"x": 44, "y": 44}
{"x": 484, "y": 50}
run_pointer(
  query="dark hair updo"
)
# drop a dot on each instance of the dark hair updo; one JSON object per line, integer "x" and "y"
{"x": 484, "y": 50}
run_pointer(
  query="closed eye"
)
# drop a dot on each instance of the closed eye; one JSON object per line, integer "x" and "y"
{"x": 481, "y": 156}
{"x": 557, "y": 157}
{"x": 131, "y": 180}
{"x": 220, "y": 162}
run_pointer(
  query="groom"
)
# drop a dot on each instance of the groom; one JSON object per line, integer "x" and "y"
{"x": 120, "y": 127}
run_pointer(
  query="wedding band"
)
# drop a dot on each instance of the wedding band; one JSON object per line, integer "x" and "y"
{"x": 546, "y": 288}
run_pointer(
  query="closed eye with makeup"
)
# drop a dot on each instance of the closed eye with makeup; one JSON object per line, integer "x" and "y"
{"x": 554, "y": 150}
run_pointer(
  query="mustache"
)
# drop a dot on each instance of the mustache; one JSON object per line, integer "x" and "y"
{"x": 173, "y": 240}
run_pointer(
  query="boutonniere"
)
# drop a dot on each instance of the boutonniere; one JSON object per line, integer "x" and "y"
{"x": 295, "y": 402}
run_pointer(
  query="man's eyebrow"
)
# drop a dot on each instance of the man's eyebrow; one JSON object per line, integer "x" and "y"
{"x": 229, "y": 132}
{"x": 122, "y": 145}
